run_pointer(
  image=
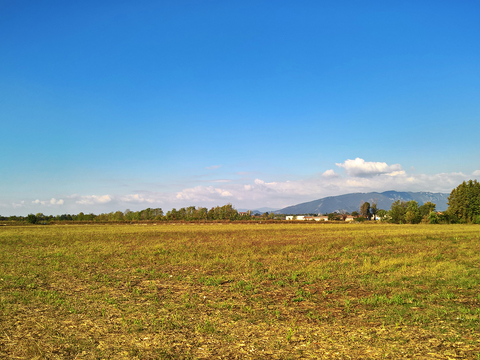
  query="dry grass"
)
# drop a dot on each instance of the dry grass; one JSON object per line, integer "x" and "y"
{"x": 240, "y": 291}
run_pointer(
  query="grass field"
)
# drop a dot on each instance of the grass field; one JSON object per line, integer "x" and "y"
{"x": 240, "y": 291}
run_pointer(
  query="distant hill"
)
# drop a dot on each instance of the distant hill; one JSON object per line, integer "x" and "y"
{"x": 351, "y": 202}
{"x": 259, "y": 210}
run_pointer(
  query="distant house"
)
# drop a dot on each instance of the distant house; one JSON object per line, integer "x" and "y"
{"x": 316, "y": 218}
{"x": 295, "y": 217}
{"x": 306, "y": 218}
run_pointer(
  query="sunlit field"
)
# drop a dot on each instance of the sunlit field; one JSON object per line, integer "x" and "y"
{"x": 240, "y": 291}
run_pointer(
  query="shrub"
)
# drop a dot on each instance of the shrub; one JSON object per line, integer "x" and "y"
{"x": 433, "y": 218}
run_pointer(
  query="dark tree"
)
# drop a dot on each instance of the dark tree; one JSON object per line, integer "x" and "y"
{"x": 365, "y": 210}
{"x": 32, "y": 219}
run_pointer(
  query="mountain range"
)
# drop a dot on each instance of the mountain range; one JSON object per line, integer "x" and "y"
{"x": 352, "y": 202}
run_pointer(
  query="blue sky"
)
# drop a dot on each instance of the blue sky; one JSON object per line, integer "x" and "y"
{"x": 109, "y": 105}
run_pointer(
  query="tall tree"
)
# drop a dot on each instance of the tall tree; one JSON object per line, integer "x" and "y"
{"x": 365, "y": 210}
{"x": 464, "y": 201}
{"x": 374, "y": 208}
{"x": 397, "y": 212}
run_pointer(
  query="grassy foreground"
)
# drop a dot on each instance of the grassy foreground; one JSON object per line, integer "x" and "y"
{"x": 240, "y": 291}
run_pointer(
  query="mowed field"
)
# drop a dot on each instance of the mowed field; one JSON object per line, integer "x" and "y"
{"x": 203, "y": 291}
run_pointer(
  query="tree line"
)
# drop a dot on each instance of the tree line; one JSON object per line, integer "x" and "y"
{"x": 191, "y": 213}
{"x": 463, "y": 207}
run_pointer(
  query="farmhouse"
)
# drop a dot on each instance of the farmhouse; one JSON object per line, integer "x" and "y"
{"x": 316, "y": 218}
{"x": 303, "y": 217}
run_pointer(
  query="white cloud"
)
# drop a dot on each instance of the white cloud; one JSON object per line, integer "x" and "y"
{"x": 330, "y": 173}
{"x": 360, "y": 167}
{"x": 224, "y": 192}
{"x": 136, "y": 198}
{"x": 94, "y": 199}
{"x": 261, "y": 182}
{"x": 203, "y": 193}
{"x": 52, "y": 201}
{"x": 476, "y": 173}
{"x": 396, "y": 173}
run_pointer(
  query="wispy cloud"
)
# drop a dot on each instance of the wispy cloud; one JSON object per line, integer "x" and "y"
{"x": 94, "y": 199}
{"x": 213, "y": 167}
{"x": 137, "y": 198}
{"x": 17, "y": 205}
{"x": 222, "y": 180}
{"x": 52, "y": 201}
{"x": 203, "y": 193}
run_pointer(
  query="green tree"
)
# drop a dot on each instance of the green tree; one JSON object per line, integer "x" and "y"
{"x": 229, "y": 212}
{"x": 211, "y": 214}
{"x": 333, "y": 216}
{"x": 397, "y": 212}
{"x": 426, "y": 209}
{"x": 118, "y": 216}
{"x": 32, "y": 219}
{"x": 412, "y": 215}
{"x": 381, "y": 213}
{"x": 172, "y": 214}
{"x": 365, "y": 210}
{"x": 433, "y": 218}
{"x": 464, "y": 201}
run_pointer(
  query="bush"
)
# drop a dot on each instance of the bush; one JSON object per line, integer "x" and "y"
{"x": 433, "y": 218}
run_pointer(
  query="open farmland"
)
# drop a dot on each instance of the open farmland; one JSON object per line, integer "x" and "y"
{"x": 240, "y": 291}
